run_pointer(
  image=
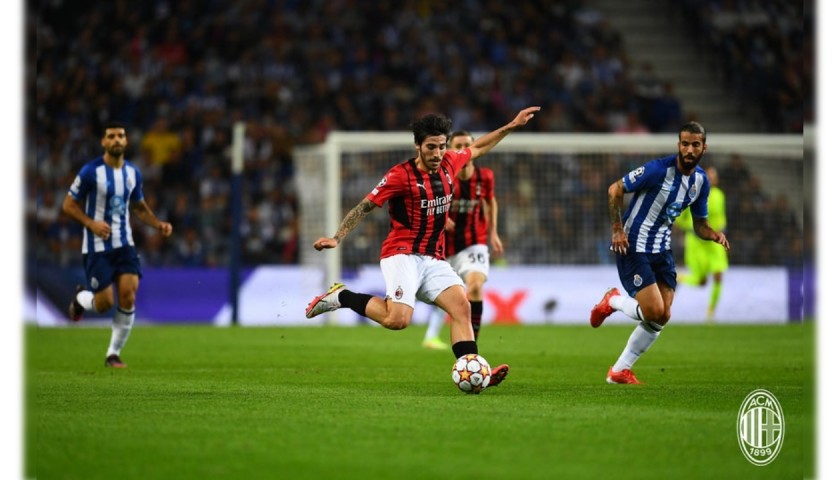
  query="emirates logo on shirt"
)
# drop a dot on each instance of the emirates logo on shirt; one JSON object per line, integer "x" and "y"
{"x": 436, "y": 205}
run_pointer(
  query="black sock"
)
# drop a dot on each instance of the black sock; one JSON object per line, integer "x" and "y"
{"x": 476, "y": 309}
{"x": 464, "y": 347}
{"x": 354, "y": 301}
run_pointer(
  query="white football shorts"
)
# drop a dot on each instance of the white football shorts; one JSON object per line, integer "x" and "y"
{"x": 417, "y": 277}
{"x": 475, "y": 258}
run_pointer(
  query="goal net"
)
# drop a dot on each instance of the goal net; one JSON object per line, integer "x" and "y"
{"x": 552, "y": 194}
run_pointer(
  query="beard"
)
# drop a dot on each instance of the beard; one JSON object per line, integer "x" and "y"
{"x": 431, "y": 163}
{"x": 116, "y": 150}
{"x": 687, "y": 163}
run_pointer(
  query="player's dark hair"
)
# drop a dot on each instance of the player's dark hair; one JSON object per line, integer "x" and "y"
{"x": 431, "y": 125}
{"x": 693, "y": 127}
{"x": 113, "y": 124}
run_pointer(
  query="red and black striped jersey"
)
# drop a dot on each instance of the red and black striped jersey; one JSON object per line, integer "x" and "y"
{"x": 418, "y": 203}
{"x": 468, "y": 212}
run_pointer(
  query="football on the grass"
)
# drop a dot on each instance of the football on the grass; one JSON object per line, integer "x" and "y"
{"x": 471, "y": 373}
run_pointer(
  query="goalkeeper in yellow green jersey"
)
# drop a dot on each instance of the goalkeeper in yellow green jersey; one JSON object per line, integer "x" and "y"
{"x": 704, "y": 258}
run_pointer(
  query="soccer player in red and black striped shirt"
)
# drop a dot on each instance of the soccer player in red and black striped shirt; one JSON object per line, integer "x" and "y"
{"x": 472, "y": 222}
{"x": 419, "y": 193}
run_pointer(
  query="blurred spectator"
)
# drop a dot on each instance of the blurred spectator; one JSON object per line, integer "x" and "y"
{"x": 160, "y": 146}
{"x": 665, "y": 111}
{"x": 632, "y": 124}
{"x": 189, "y": 251}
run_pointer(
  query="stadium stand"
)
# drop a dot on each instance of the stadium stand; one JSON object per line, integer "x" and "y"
{"x": 180, "y": 73}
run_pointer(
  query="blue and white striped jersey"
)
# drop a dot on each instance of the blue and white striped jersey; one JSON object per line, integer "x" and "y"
{"x": 660, "y": 194}
{"x": 105, "y": 194}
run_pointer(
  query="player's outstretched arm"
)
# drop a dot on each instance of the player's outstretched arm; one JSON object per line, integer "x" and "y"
{"x": 353, "y": 218}
{"x": 486, "y": 142}
{"x": 704, "y": 231}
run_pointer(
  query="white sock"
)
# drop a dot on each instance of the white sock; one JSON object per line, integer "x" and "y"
{"x": 120, "y": 330}
{"x": 85, "y": 299}
{"x": 436, "y": 320}
{"x": 640, "y": 340}
{"x": 628, "y": 305}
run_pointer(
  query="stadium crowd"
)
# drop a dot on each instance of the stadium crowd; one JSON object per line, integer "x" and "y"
{"x": 181, "y": 72}
{"x": 764, "y": 52}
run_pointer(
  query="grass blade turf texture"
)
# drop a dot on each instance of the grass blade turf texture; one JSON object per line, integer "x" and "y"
{"x": 331, "y": 402}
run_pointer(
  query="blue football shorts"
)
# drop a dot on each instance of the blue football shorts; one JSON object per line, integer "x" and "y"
{"x": 638, "y": 270}
{"x": 102, "y": 268}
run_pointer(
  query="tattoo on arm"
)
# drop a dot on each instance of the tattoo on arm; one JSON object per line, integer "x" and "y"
{"x": 353, "y": 218}
{"x": 486, "y": 142}
{"x": 616, "y": 204}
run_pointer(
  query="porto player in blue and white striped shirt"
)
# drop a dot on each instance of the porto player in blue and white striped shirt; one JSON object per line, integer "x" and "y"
{"x": 419, "y": 194}
{"x": 641, "y": 240}
{"x": 103, "y": 195}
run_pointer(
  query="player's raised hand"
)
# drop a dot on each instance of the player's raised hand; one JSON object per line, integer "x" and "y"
{"x": 325, "y": 242}
{"x": 523, "y": 116}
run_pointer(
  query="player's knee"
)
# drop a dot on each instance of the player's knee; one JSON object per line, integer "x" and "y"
{"x": 656, "y": 313}
{"x": 396, "y": 321}
{"x": 474, "y": 290}
{"x": 461, "y": 313}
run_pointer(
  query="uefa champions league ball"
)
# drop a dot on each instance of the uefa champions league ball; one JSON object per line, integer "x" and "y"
{"x": 471, "y": 373}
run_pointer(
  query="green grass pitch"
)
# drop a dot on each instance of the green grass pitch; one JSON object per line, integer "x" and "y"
{"x": 334, "y": 402}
